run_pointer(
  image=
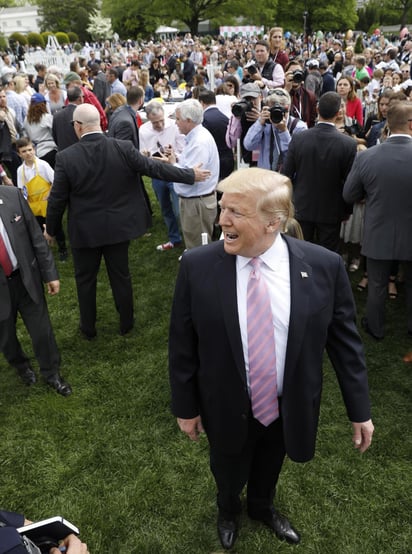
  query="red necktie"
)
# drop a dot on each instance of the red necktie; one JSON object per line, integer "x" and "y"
{"x": 261, "y": 348}
{"x": 5, "y": 261}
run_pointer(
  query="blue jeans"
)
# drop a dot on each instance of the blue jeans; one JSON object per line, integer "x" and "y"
{"x": 169, "y": 206}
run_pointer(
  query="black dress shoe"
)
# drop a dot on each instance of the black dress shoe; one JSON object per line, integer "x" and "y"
{"x": 126, "y": 329}
{"x": 59, "y": 385}
{"x": 27, "y": 375}
{"x": 365, "y": 327}
{"x": 227, "y": 530}
{"x": 282, "y": 528}
{"x": 86, "y": 334}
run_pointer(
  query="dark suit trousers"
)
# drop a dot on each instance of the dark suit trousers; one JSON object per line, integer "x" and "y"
{"x": 86, "y": 267}
{"x": 324, "y": 234}
{"x": 378, "y": 277}
{"x": 258, "y": 465}
{"x": 37, "y": 321}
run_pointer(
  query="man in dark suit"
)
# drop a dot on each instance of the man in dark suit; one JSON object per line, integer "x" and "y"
{"x": 216, "y": 123}
{"x": 98, "y": 179}
{"x": 101, "y": 87}
{"x": 382, "y": 176}
{"x": 62, "y": 128}
{"x": 318, "y": 162}
{"x": 122, "y": 124}
{"x": 25, "y": 262}
{"x": 216, "y": 371}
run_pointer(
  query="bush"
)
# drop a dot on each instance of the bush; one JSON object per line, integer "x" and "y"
{"x": 3, "y": 42}
{"x": 46, "y": 35}
{"x": 359, "y": 45}
{"x": 18, "y": 36}
{"x": 35, "y": 39}
{"x": 73, "y": 37}
{"x": 62, "y": 38}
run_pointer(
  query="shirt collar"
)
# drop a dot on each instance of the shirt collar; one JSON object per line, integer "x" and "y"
{"x": 271, "y": 257}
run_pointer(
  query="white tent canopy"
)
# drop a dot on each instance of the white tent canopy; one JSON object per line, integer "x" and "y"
{"x": 164, "y": 30}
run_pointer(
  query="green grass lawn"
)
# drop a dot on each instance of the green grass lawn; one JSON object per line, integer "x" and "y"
{"x": 111, "y": 459}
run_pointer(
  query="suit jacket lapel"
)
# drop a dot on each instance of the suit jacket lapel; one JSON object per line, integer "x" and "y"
{"x": 226, "y": 284}
{"x": 300, "y": 291}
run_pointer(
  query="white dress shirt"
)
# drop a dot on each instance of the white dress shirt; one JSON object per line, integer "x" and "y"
{"x": 149, "y": 137}
{"x": 275, "y": 271}
{"x": 8, "y": 245}
{"x": 200, "y": 148}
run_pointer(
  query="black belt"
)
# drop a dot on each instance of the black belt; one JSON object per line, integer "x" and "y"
{"x": 14, "y": 274}
{"x": 201, "y": 196}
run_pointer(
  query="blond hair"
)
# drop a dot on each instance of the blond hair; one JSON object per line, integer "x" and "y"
{"x": 273, "y": 192}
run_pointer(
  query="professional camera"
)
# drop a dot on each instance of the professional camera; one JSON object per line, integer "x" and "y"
{"x": 276, "y": 113}
{"x": 251, "y": 69}
{"x": 241, "y": 107}
{"x": 297, "y": 76}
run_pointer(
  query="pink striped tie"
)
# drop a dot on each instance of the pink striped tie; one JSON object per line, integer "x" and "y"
{"x": 261, "y": 348}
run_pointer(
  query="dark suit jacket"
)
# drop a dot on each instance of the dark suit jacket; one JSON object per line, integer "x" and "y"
{"x": 35, "y": 258}
{"x": 207, "y": 369}
{"x": 318, "y": 162}
{"x": 216, "y": 123}
{"x": 101, "y": 88}
{"x": 10, "y": 540}
{"x": 98, "y": 178}
{"x": 122, "y": 125}
{"x": 62, "y": 129}
{"x": 382, "y": 175}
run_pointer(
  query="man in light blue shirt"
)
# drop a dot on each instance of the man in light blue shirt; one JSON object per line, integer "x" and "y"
{"x": 272, "y": 132}
{"x": 197, "y": 203}
{"x": 115, "y": 85}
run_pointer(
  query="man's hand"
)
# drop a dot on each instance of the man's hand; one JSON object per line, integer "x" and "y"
{"x": 201, "y": 174}
{"x": 7, "y": 181}
{"x": 253, "y": 114}
{"x": 50, "y": 240}
{"x": 264, "y": 116}
{"x": 53, "y": 287}
{"x": 362, "y": 434}
{"x": 73, "y": 545}
{"x": 192, "y": 427}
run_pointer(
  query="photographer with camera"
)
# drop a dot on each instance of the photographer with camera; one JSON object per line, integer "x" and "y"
{"x": 272, "y": 132}
{"x": 244, "y": 114}
{"x": 266, "y": 73}
{"x": 304, "y": 102}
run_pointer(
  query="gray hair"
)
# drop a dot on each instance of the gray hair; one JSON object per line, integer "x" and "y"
{"x": 154, "y": 108}
{"x": 279, "y": 96}
{"x": 191, "y": 109}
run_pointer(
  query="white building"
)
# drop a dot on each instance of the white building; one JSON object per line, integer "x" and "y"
{"x": 24, "y": 19}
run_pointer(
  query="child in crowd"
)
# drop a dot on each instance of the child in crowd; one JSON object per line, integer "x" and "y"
{"x": 35, "y": 179}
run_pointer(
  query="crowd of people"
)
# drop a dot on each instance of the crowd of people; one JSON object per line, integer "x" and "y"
{"x": 310, "y": 119}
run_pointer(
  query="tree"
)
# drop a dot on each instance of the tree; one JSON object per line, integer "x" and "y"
{"x": 100, "y": 28}
{"x": 66, "y": 16}
{"x": 321, "y": 14}
{"x": 139, "y": 17}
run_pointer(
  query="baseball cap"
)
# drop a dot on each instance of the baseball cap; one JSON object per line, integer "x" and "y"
{"x": 250, "y": 89}
{"x": 37, "y": 98}
{"x": 312, "y": 63}
{"x": 70, "y": 77}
